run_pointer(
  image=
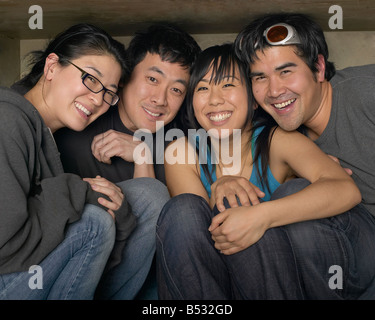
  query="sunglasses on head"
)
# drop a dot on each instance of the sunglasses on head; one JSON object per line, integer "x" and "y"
{"x": 281, "y": 34}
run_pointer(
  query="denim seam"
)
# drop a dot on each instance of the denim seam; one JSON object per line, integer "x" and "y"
{"x": 71, "y": 285}
{"x": 295, "y": 263}
{"x": 342, "y": 241}
{"x": 166, "y": 267}
{"x": 14, "y": 283}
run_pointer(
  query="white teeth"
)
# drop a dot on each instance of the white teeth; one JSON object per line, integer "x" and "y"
{"x": 82, "y": 108}
{"x": 220, "y": 117}
{"x": 284, "y": 104}
{"x": 151, "y": 113}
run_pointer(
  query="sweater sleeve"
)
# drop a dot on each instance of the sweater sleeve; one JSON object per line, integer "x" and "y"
{"x": 125, "y": 222}
{"x": 33, "y": 216}
{"x": 32, "y": 219}
{"x": 78, "y": 192}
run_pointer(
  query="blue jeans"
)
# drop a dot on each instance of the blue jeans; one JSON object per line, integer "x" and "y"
{"x": 73, "y": 269}
{"x": 289, "y": 262}
{"x": 146, "y": 196}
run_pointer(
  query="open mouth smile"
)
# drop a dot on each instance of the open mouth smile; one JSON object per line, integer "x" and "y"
{"x": 220, "y": 116}
{"x": 284, "y": 104}
{"x": 83, "y": 109}
{"x": 153, "y": 114}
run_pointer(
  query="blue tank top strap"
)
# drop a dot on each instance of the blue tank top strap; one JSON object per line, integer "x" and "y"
{"x": 203, "y": 177}
{"x": 254, "y": 179}
{"x": 273, "y": 183}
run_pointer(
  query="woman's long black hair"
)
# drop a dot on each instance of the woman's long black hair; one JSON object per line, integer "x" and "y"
{"x": 78, "y": 40}
{"x": 223, "y": 61}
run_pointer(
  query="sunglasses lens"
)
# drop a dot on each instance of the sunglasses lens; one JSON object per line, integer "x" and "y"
{"x": 277, "y": 33}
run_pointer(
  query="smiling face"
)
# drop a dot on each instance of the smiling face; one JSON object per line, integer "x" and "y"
{"x": 285, "y": 87}
{"x": 69, "y": 103}
{"x": 155, "y": 92}
{"x": 222, "y": 105}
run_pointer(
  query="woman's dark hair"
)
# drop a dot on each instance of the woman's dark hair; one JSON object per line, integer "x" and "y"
{"x": 223, "y": 62}
{"x": 76, "y": 41}
{"x": 310, "y": 33}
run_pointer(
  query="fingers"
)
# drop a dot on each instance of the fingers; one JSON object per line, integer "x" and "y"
{"x": 112, "y": 206}
{"x": 334, "y": 158}
{"x": 223, "y": 242}
{"x": 227, "y": 248}
{"x": 254, "y": 193}
{"x": 217, "y": 221}
{"x": 113, "y": 143}
{"x": 102, "y": 146}
{"x": 233, "y": 188}
{"x": 111, "y": 213}
{"x": 348, "y": 171}
{"x": 231, "y": 198}
{"x": 227, "y": 190}
{"x": 112, "y": 191}
{"x": 231, "y": 230}
{"x": 98, "y": 150}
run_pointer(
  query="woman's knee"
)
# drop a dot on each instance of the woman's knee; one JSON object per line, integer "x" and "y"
{"x": 134, "y": 187}
{"x": 99, "y": 222}
{"x": 186, "y": 212}
{"x": 145, "y": 195}
{"x": 184, "y": 205}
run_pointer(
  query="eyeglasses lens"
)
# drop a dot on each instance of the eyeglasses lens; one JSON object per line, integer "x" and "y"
{"x": 110, "y": 98}
{"x": 95, "y": 86}
{"x": 92, "y": 83}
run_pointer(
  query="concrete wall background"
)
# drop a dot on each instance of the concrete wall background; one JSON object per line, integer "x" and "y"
{"x": 9, "y": 61}
{"x": 346, "y": 49}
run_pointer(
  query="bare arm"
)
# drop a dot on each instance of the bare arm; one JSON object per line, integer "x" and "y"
{"x": 332, "y": 191}
{"x": 183, "y": 175}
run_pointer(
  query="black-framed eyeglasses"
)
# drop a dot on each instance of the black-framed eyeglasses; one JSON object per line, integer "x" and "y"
{"x": 94, "y": 85}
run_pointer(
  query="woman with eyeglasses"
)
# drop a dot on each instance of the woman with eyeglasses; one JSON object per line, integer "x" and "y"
{"x": 203, "y": 253}
{"x": 57, "y": 231}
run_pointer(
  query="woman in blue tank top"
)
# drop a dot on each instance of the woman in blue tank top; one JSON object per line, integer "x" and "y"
{"x": 254, "y": 178}
{"x": 229, "y": 139}
{"x": 226, "y": 138}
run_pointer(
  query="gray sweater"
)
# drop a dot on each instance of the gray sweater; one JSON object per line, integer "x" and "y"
{"x": 37, "y": 199}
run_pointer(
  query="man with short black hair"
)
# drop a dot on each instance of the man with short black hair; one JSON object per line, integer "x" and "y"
{"x": 160, "y": 58}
